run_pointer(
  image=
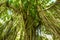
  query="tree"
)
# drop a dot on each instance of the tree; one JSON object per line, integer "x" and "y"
{"x": 29, "y": 20}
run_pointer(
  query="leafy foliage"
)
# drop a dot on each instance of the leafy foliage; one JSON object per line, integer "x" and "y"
{"x": 29, "y": 20}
